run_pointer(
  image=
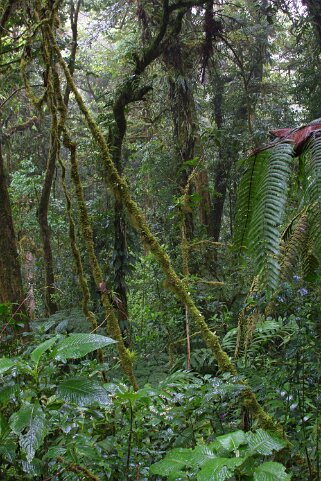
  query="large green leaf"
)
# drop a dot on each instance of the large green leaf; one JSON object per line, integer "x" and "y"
{"x": 264, "y": 443}
{"x": 8, "y": 449}
{"x": 6, "y": 364}
{"x": 82, "y": 391}
{"x": 30, "y": 424}
{"x": 232, "y": 441}
{"x": 173, "y": 462}
{"x": 7, "y": 393}
{"x": 219, "y": 469}
{"x": 3, "y": 425}
{"x": 78, "y": 345}
{"x": 7, "y": 443}
{"x": 42, "y": 348}
{"x": 202, "y": 454}
{"x": 270, "y": 471}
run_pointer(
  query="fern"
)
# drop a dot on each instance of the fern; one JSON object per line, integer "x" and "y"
{"x": 265, "y": 332}
{"x": 312, "y": 155}
{"x": 247, "y": 193}
{"x": 295, "y": 246}
{"x": 262, "y": 199}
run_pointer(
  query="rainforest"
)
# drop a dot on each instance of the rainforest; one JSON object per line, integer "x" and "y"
{"x": 160, "y": 240}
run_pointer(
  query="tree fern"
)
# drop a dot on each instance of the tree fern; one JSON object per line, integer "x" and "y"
{"x": 312, "y": 155}
{"x": 294, "y": 246}
{"x": 262, "y": 200}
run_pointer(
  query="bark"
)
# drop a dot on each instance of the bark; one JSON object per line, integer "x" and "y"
{"x": 205, "y": 209}
{"x": 183, "y": 116}
{"x": 50, "y": 304}
{"x": 224, "y": 163}
{"x": 314, "y": 8}
{"x": 120, "y": 256}
{"x": 131, "y": 91}
{"x": 11, "y": 290}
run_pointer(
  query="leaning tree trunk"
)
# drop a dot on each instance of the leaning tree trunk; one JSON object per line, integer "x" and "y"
{"x": 11, "y": 290}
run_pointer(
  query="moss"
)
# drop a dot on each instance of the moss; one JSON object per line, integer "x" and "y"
{"x": 250, "y": 402}
{"x": 56, "y": 105}
{"x": 121, "y": 191}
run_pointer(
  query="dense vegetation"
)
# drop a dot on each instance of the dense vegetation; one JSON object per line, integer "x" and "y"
{"x": 160, "y": 240}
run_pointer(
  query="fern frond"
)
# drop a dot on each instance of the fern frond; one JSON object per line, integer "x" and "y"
{"x": 294, "y": 248}
{"x": 310, "y": 262}
{"x": 262, "y": 198}
{"x": 246, "y": 195}
{"x": 312, "y": 155}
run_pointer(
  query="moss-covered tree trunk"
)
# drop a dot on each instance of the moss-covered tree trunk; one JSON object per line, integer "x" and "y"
{"x": 224, "y": 161}
{"x": 183, "y": 116}
{"x": 120, "y": 255}
{"x": 314, "y": 8}
{"x": 50, "y": 304}
{"x": 11, "y": 290}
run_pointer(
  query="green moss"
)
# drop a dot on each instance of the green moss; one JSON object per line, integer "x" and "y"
{"x": 121, "y": 191}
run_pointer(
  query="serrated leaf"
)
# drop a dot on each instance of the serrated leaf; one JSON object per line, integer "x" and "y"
{"x": 271, "y": 471}
{"x": 82, "y": 391}
{"x": 173, "y": 462}
{"x": 232, "y": 441}
{"x": 264, "y": 443}
{"x": 78, "y": 345}
{"x": 42, "y": 348}
{"x": 6, "y": 364}
{"x": 30, "y": 423}
{"x": 219, "y": 469}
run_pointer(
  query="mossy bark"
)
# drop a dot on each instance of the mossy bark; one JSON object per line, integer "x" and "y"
{"x": 50, "y": 303}
{"x": 11, "y": 290}
{"x": 121, "y": 191}
{"x": 185, "y": 129}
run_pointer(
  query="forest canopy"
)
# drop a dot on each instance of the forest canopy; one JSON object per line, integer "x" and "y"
{"x": 160, "y": 240}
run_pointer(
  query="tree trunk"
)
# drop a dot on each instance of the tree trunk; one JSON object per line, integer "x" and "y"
{"x": 50, "y": 304}
{"x": 224, "y": 163}
{"x": 183, "y": 115}
{"x": 11, "y": 290}
{"x": 205, "y": 208}
{"x": 314, "y": 8}
{"x": 120, "y": 254}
